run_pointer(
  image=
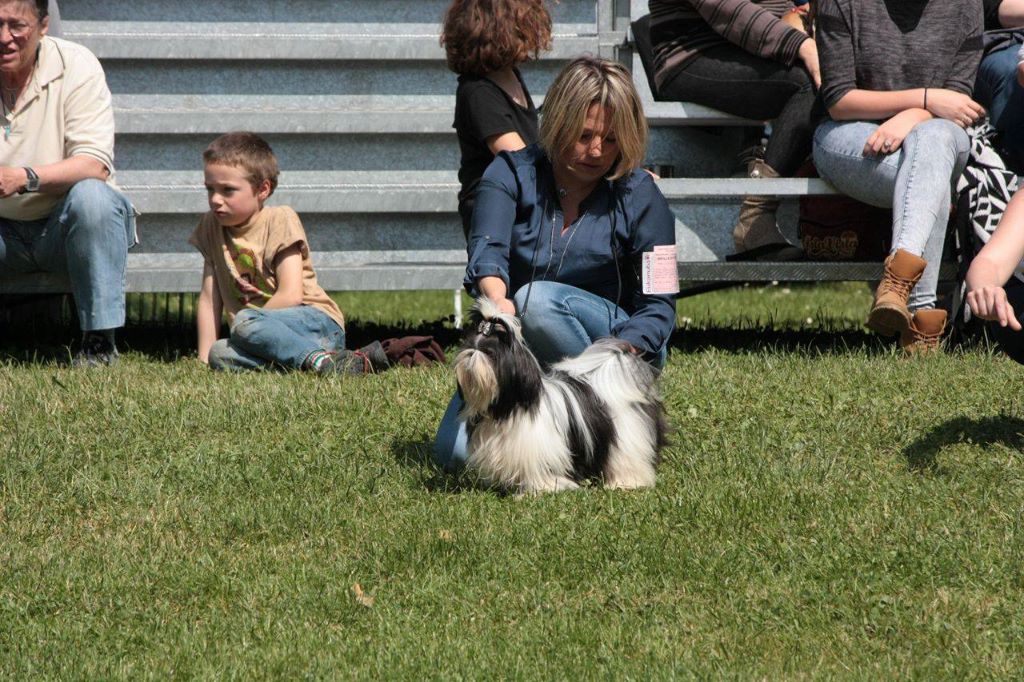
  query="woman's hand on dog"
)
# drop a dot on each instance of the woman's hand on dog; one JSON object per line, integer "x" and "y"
{"x": 495, "y": 289}
{"x": 506, "y": 306}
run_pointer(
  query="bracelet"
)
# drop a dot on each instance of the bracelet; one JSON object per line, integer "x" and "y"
{"x": 926, "y": 100}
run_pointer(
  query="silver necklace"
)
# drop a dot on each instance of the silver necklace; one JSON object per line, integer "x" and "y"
{"x": 551, "y": 244}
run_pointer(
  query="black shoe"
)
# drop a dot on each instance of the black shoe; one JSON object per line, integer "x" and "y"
{"x": 375, "y": 356}
{"x": 97, "y": 350}
{"x": 369, "y": 359}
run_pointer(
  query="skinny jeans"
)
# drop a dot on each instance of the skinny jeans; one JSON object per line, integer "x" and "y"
{"x": 279, "y": 337}
{"x": 916, "y": 181}
{"x": 732, "y": 80}
{"x": 560, "y": 322}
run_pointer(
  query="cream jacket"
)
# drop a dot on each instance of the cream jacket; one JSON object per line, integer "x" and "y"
{"x": 65, "y": 111}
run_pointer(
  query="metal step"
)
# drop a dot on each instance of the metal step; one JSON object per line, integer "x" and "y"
{"x": 797, "y": 271}
{"x": 306, "y": 192}
{"x": 730, "y": 188}
{"x": 294, "y": 114}
{"x": 290, "y": 11}
{"x": 406, "y": 191}
{"x": 164, "y": 40}
{"x": 181, "y": 272}
{"x": 311, "y": 114}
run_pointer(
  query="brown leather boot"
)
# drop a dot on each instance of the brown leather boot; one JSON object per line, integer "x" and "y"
{"x": 756, "y": 228}
{"x": 889, "y": 315}
{"x": 924, "y": 334}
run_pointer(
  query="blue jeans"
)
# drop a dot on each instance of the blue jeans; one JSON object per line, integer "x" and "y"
{"x": 560, "y": 322}
{"x": 997, "y": 90}
{"x": 916, "y": 181}
{"x": 282, "y": 337}
{"x": 87, "y": 237}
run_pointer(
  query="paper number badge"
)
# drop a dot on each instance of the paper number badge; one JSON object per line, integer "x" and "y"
{"x": 660, "y": 273}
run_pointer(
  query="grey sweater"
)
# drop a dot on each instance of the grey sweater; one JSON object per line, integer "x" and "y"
{"x": 681, "y": 29}
{"x": 885, "y": 45}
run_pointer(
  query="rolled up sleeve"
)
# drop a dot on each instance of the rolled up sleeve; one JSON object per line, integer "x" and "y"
{"x": 490, "y": 234}
{"x": 654, "y": 315}
{"x": 89, "y": 113}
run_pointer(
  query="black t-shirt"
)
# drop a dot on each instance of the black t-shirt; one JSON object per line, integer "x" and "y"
{"x": 992, "y": 14}
{"x": 482, "y": 109}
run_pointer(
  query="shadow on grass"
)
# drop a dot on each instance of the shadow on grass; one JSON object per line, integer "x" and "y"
{"x": 416, "y": 454}
{"x": 826, "y": 340}
{"x": 756, "y": 338}
{"x": 922, "y": 454}
{"x": 42, "y": 344}
{"x": 168, "y": 343}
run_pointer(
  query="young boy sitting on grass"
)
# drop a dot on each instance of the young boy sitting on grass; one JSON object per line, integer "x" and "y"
{"x": 257, "y": 267}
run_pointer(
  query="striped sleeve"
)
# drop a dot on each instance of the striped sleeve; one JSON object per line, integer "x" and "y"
{"x": 751, "y": 27}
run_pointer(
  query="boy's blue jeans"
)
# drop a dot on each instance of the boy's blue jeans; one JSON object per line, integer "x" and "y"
{"x": 560, "y": 322}
{"x": 86, "y": 237}
{"x": 916, "y": 181}
{"x": 282, "y": 337}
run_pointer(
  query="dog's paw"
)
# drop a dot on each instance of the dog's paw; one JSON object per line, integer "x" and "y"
{"x": 557, "y": 484}
{"x": 629, "y": 482}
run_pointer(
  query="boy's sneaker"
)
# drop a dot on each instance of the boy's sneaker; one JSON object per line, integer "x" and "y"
{"x": 369, "y": 359}
{"x": 97, "y": 350}
{"x": 375, "y": 356}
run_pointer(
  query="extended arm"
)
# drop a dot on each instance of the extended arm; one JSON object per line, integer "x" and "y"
{"x": 652, "y": 225}
{"x": 490, "y": 235}
{"x": 208, "y": 313}
{"x": 995, "y": 264}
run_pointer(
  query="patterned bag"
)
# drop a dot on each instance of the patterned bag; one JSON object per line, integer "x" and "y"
{"x": 986, "y": 187}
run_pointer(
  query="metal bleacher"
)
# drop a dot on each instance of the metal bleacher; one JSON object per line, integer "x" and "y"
{"x": 355, "y": 99}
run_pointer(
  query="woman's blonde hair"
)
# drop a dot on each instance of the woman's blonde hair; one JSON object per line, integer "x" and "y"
{"x": 586, "y": 81}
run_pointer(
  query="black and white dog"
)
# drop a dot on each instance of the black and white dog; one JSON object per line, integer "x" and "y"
{"x": 595, "y": 416}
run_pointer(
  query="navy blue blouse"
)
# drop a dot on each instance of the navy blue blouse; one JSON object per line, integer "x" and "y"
{"x": 516, "y": 235}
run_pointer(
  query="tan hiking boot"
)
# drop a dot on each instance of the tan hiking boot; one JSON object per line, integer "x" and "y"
{"x": 924, "y": 334}
{"x": 889, "y": 315}
{"x": 756, "y": 227}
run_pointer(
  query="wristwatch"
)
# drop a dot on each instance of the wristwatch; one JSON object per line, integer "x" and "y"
{"x": 33, "y": 182}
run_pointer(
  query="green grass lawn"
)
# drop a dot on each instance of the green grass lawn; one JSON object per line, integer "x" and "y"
{"x": 826, "y": 508}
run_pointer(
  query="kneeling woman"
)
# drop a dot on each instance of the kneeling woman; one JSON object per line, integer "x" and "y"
{"x": 570, "y": 235}
{"x": 897, "y": 80}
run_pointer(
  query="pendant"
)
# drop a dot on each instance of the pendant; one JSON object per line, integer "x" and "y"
{"x": 7, "y": 131}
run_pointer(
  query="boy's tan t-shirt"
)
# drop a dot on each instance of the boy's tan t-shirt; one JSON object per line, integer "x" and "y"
{"x": 243, "y": 260}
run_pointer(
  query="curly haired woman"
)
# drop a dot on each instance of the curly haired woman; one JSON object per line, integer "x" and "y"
{"x": 485, "y": 41}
